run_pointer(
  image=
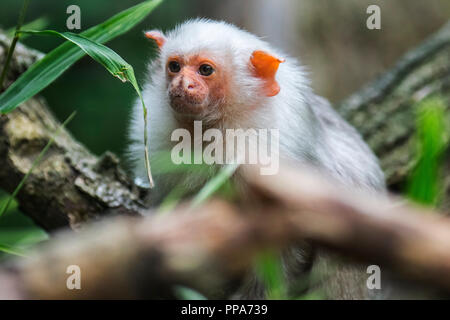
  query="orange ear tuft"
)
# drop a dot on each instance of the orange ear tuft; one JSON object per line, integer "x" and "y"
{"x": 265, "y": 67}
{"x": 159, "y": 38}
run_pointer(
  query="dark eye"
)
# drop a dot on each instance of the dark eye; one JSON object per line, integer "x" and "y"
{"x": 174, "y": 66}
{"x": 206, "y": 70}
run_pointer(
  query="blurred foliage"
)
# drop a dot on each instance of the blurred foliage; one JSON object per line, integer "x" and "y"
{"x": 431, "y": 137}
{"x": 269, "y": 268}
{"x": 184, "y": 293}
{"x": 218, "y": 181}
{"x": 17, "y": 232}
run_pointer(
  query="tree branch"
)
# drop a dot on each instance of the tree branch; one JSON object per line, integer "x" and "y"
{"x": 208, "y": 247}
{"x": 384, "y": 111}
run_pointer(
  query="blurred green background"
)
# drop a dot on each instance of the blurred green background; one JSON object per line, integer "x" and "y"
{"x": 330, "y": 37}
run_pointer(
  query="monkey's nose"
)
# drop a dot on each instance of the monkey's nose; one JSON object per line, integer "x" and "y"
{"x": 188, "y": 84}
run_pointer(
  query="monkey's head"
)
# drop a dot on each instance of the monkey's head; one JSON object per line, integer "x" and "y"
{"x": 213, "y": 69}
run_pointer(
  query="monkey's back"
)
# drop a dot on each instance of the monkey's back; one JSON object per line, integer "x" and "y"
{"x": 343, "y": 151}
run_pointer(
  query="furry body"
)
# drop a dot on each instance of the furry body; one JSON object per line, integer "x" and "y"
{"x": 311, "y": 132}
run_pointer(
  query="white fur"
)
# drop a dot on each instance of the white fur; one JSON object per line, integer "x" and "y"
{"x": 310, "y": 130}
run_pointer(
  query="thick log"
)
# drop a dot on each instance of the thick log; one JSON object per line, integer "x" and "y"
{"x": 207, "y": 247}
{"x": 131, "y": 258}
{"x": 384, "y": 111}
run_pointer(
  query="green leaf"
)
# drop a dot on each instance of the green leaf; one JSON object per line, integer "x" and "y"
{"x": 22, "y": 236}
{"x": 270, "y": 270}
{"x": 114, "y": 63}
{"x": 38, "y": 24}
{"x": 425, "y": 182}
{"x": 10, "y": 250}
{"x": 49, "y": 68}
{"x": 215, "y": 184}
{"x": 184, "y": 293}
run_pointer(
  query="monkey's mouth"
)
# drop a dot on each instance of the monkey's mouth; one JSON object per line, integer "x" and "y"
{"x": 187, "y": 105}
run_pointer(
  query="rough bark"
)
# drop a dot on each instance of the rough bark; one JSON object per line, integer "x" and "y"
{"x": 206, "y": 247}
{"x": 70, "y": 185}
{"x": 384, "y": 111}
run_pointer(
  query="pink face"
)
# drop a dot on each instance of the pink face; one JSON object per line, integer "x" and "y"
{"x": 196, "y": 84}
{"x": 199, "y": 86}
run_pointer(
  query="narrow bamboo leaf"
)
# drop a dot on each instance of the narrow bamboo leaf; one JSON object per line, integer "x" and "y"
{"x": 49, "y": 68}
{"x": 114, "y": 63}
{"x": 10, "y": 250}
{"x": 215, "y": 183}
{"x": 172, "y": 199}
{"x": 12, "y": 47}
{"x": 38, "y": 24}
